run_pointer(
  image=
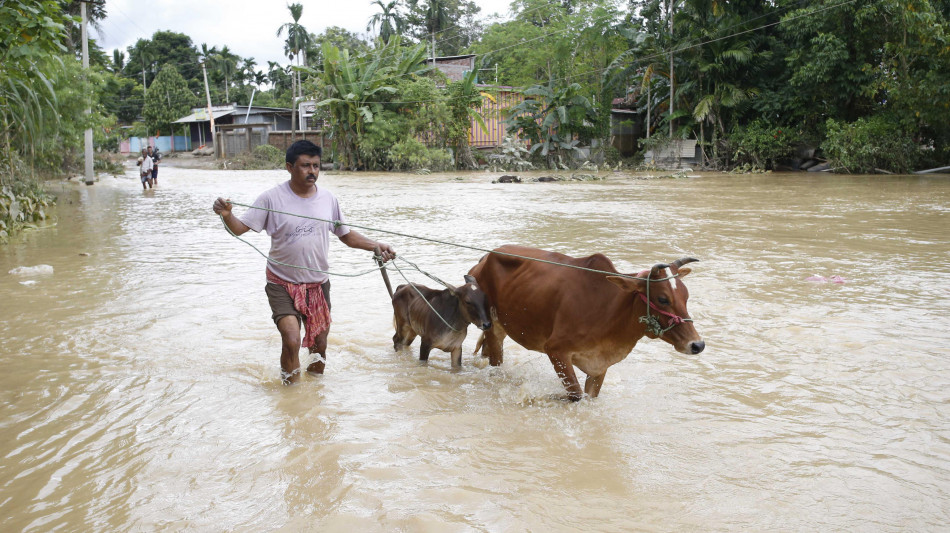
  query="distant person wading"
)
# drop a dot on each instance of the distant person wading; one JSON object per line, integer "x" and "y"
{"x": 297, "y": 295}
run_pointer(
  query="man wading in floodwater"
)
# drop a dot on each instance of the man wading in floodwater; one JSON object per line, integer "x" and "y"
{"x": 297, "y": 295}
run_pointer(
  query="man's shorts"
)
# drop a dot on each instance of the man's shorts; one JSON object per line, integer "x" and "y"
{"x": 155, "y": 172}
{"x": 146, "y": 176}
{"x": 281, "y": 304}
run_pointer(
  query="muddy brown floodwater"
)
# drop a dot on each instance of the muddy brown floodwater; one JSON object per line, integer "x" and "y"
{"x": 140, "y": 383}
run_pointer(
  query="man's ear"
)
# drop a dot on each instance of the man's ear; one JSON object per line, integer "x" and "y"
{"x": 627, "y": 284}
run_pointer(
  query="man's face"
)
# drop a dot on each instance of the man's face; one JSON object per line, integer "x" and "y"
{"x": 305, "y": 170}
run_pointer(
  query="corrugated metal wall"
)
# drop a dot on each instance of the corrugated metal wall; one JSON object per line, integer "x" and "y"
{"x": 493, "y": 113}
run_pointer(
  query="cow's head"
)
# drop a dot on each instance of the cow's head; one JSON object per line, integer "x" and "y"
{"x": 473, "y": 303}
{"x": 666, "y": 316}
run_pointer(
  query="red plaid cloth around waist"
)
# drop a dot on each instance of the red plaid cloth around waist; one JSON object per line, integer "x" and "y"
{"x": 308, "y": 301}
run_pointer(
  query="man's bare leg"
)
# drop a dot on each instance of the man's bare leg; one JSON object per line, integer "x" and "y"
{"x": 289, "y": 327}
{"x": 319, "y": 347}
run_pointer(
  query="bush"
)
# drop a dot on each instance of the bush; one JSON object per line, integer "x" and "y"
{"x": 264, "y": 157}
{"x": 876, "y": 142}
{"x": 22, "y": 200}
{"x": 760, "y": 146}
{"x": 411, "y": 154}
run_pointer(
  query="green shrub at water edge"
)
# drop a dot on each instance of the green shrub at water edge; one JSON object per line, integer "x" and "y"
{"x": 876, "y": 142}
{"x": 23, "y": 201}
{"x": 760, "y": 146}
{"x": 263, "y": 157}
{"x": 411, "y": 154}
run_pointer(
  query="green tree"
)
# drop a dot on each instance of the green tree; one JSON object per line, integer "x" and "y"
{"x": 452, "y": 24}
{"x": 556, "y": 120}
{"x": 168, "y": 100}
{"x": 31, "y": 38}
{"x": 389, "y": 21}
{"x": 338, "y": 37}
{"x": 298, "y": 38}
{"x": 226, "y": 64}
{"x": 357, "y": 90}
{"x": 464, "y": 101}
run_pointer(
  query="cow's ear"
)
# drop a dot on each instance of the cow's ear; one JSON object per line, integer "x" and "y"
{"x": 627, "y": 284}
{"x": 684, "y": 271}
{"x": 470, "y": 279}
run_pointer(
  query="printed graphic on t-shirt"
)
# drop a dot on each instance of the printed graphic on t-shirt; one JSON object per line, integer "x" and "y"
{"x": 304, "y": 229}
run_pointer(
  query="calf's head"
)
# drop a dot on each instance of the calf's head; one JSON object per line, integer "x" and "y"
{"x": 665, "y": 314}
{"x": 473, "y": 303}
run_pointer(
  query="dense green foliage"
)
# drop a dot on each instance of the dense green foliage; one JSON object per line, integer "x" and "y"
{"x": 754, "y": 82}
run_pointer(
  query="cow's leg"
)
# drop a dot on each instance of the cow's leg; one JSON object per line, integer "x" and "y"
{"x": 565, "y": 371}
{"x": 403, "y": 337}
{"x": 593, "y": 384}
{"x": 424, "y": 347}
{"x": 493, "y": 344}
{"x": 457, "y": 358}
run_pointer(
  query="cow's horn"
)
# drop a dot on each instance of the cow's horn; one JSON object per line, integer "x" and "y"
{"x": 680, "y": 262}
{"x": 657, "y": 268}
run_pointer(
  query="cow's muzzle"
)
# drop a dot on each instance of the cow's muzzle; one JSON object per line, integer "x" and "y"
{"x": 697, "y": 346}
{"x": 487, "y": 325}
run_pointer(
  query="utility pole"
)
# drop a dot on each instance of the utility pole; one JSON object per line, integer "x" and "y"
{"x": 671, "y": 69}
{"x": 90, "y": 176}
{"x": 204, "y": 70}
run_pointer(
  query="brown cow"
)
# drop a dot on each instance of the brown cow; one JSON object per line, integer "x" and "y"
{"x": 458, "y": 306}
{"x": 581, "y": 318}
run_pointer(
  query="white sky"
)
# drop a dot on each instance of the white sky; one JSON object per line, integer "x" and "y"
{"x": 247, "y": 27}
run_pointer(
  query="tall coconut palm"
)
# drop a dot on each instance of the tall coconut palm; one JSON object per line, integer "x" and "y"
{"x": 388, "y": 19}
{"x": 298, "y": 38}
{"x": 118, "y": 60}
{"x": 226, "y": 64}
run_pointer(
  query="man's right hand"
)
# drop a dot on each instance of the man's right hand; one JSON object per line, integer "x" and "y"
{"x": 222, "y": 207}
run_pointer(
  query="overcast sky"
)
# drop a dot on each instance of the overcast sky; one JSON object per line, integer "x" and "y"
{"x": 247, "y": 27}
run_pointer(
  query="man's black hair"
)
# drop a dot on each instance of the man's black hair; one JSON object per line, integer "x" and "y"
{"x": 300, "y": 148}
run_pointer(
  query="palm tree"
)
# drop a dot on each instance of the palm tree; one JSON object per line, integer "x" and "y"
{"x": 388, "y": 19}
{"x": 118, "y": 60}
{"x": 298, "y": 38}
{"x": 226, "y": 63}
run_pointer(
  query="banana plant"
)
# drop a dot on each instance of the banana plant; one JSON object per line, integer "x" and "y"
{"x": 358, "y": 88}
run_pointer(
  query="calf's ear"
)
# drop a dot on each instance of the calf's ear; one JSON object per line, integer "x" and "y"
{"x": 627, "y": 284}
{"x": 470, "y": 279}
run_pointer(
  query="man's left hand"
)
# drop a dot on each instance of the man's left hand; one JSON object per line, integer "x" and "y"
{"x": 386, "y": 251}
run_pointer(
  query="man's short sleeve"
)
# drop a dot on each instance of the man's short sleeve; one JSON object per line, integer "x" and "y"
{"x": 256, "y": 218}
{"x": 342, "y": 229}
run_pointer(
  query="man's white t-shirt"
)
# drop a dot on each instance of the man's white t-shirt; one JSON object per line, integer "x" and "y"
{"x": 294, "y": 240}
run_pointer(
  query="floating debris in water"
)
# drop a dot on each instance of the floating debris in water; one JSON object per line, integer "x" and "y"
{"x": 38, "y": 270}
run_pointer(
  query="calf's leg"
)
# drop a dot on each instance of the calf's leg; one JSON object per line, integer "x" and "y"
{"x": 424, "y": 348}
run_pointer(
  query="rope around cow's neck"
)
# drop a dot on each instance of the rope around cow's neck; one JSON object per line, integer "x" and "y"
{"x": 652, "y": 322}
